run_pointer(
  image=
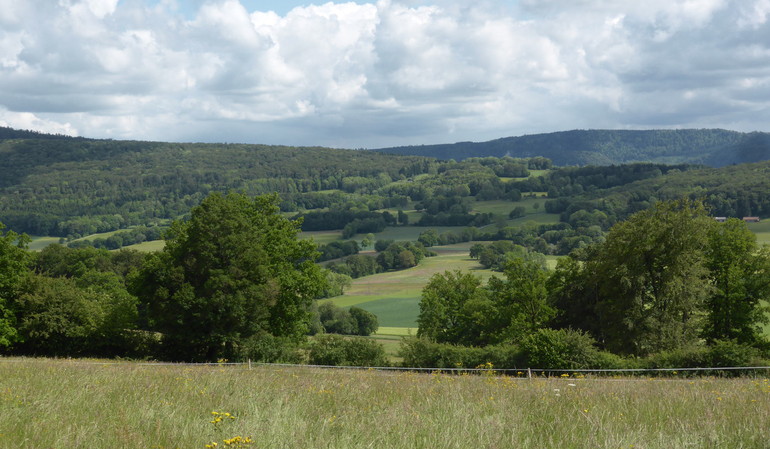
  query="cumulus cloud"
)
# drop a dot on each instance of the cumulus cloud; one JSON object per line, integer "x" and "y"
{"x": 381, "y": 73}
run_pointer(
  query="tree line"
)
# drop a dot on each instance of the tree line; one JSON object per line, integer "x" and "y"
{"x": 668, "y": 279}
{"x": 232, "y": 282}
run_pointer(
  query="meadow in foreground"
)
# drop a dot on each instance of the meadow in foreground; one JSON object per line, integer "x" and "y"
{"x": 68, "y": 404}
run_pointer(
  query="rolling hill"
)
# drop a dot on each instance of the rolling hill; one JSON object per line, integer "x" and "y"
{"x": 713, "y": 147}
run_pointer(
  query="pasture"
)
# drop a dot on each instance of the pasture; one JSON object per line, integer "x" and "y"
{"x": 762, "y": 231}
{"x": 532, "y": 205}
{"x": 38, "y": 242}
{"x": 394, "y": 296}
{"x": 70, "y": 404}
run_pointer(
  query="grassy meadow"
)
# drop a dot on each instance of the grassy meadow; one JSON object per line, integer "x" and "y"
{"x": 762, "y": 231}
{"x": 394, "y": 296}
{"x": 78, "y": 404}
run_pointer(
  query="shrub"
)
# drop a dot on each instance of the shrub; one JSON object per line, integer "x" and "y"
{"x": 731, "y": 353}
{"x": 382, "y": 245}
{"x": 685, "y": 357}
{"x": 366, "y": 321}
{"x": 336, "y": 350}
{"x": 422, "y": 353}
{"x": 267, "y": 348}
{"x": 565, "y": 349}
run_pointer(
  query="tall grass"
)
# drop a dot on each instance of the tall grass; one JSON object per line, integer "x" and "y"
{"x": 71, "y": 404}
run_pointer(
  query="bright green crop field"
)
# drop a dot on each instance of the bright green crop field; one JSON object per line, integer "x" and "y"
{"x": 394, "y": 296}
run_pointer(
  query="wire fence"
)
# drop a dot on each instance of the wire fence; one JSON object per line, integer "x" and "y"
{"x": 526, "y": 373}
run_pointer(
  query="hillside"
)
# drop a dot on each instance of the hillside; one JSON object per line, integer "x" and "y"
{"x": 56, "y": 185}
{"x": 74, "y": 187}
{"x": 713, "y": 147}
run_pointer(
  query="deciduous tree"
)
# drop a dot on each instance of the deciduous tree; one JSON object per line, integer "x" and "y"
{"x": 13, "y": 273}
{"x": 740, "y": 272}
{"x": 652, "y": 279}
{"x": 235, "y": 269}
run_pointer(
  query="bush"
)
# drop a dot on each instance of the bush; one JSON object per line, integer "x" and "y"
{"x": 382, "y": 245}
{"x": 724, "y": 353}
{"x": 422, "y": 353}
{"x": 267, "y": 348}
{"x": 565, "y": 349}
{"x": 336, "y": 350}
{"x": 686, "y": 357}
{"x": 366, "y": 321}
{"x": 356, "y": 321}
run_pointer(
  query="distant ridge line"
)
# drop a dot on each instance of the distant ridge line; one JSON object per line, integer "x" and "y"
{"x": 712, "y": 147}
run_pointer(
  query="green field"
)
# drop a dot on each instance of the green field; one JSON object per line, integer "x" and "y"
{"x": 108, "y": 405}
{"x": 762, "y": 230}
{"x": 503, "y": 207}
{"x": 321, "y": 237}
{"x": 394, "y": 296}
{"x": 147, "y": 247}
{"x": 38, "y": 243}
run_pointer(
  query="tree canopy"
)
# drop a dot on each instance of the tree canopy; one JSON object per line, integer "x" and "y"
{"x": 13, "y": 272}
{"x": 234, "y": 270}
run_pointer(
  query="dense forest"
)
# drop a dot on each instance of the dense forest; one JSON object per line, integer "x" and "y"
{"x": 713, "y": 147}
{"x": 74, "y": 187}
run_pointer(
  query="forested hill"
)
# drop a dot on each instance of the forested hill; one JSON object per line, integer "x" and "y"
{"x": 58, "y": 185}
{"x": 713, "y": 147}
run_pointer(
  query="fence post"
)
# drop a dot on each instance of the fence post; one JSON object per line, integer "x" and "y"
{"x": 249, "y": 363}
{"x": 529, "y": 373}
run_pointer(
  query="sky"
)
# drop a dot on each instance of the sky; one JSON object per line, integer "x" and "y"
{"x": 371, "y": 74}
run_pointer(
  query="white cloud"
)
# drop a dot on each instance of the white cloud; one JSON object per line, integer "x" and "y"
{"x": 29, "y": 121}
{"x": 384, "y": 73}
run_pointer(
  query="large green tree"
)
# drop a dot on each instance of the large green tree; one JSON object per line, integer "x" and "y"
{"x": 521, "y": 299}
{"x": 13, "y": 275}
{"x": 740, "y": 272}
{"x": 235, "y": 269}
{"x": 651, "y": 278}
{"x": 454, "y": 308}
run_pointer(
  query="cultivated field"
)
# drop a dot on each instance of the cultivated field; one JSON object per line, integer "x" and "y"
{"x": 394, "y": 296}
{"x": 79, "y": 404}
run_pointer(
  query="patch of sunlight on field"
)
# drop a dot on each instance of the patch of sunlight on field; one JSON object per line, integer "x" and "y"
{"x": 148, "y": 247}
{"x": 539, "y": 218}
{"x": 498, "y": 207}
{"x": 762, "y": 231}
{"x": 101, "y": 235}
{"x": 321, "y": 237}
{"x": 537, "y": 173}
{"x": 40, "y": 242}
{"x": 396, "y": 331}
{"x": 504, "y": 207}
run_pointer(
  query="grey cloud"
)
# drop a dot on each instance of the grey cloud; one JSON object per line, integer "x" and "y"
{"x": 387, "y": 73}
